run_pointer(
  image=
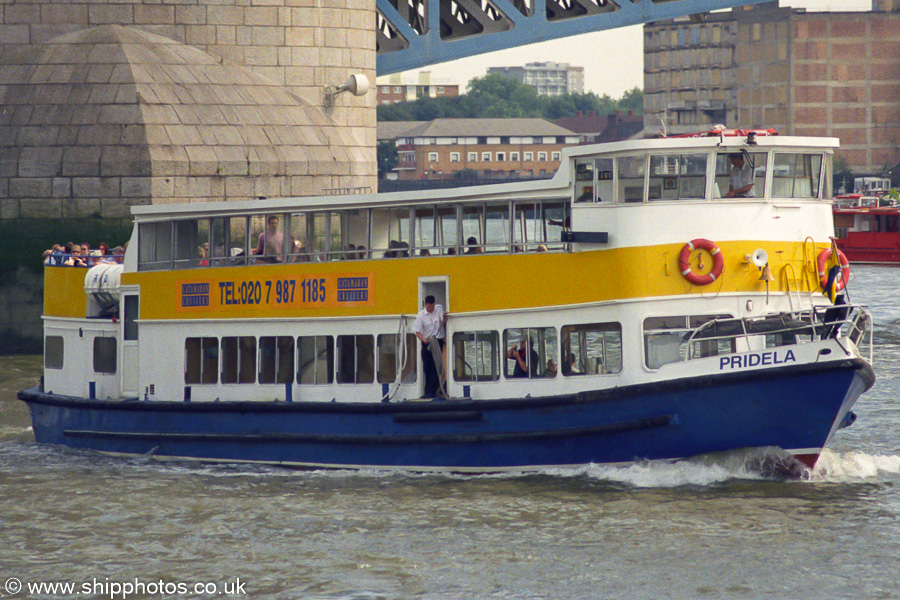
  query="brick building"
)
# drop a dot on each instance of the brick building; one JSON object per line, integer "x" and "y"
{"x": 803, "y": 73}
{"x": 824, "y": 74}
{"x": 486, "y": 148}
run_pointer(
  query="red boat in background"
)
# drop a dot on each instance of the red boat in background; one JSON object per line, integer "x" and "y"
{"x": 866, "y": 230}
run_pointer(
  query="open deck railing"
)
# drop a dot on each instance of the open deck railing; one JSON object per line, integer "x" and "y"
{"x": 839, "y": 322}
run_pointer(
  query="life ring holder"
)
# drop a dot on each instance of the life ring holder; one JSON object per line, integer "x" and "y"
{"x": 821, "y": 261}
{"x": 684, "y": 262}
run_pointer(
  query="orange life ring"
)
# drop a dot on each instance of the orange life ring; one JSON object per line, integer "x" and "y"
{"x": 684, "y": 262}
{"x": 844, "y": 279}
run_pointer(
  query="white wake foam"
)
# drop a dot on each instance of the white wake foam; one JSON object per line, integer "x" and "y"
{"x": 853, "y": 466}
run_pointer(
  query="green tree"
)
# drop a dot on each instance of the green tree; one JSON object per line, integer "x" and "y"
{"x": 387, "y": 157}
{"x": 499, "y": 97}
{"x": 632, "y": 100}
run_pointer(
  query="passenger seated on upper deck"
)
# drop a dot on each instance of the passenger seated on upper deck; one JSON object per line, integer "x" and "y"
{"x": 271, "y": 242}
{"x": 397, "y": 249}
{"x": 472, "y": 246}
{"x": 74, "y": 259}
{"x": 740, "y": 179}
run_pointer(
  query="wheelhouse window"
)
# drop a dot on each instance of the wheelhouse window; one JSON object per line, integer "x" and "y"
{"x": 796, "y": 175}
{"x": 316, "y": 359}
{"x": 727, "y": 173}
{"x": 54, "y": 347}
{"x": 530, "y": 352}
{"x": 276, "y": 359}
{"x": 476, "y": 356}
{"x": 201, "y": 360}
{"x": 396, "y": 360}
{"x": 104, "y": 355}
{"x": 238, "y": 359}
{"x": 665, "y": 339}
{"x": 591, "y": 349}
{"x": 678, "y": 176}
{"x": 631, "y": 178}
{"x": 356, "y": 358}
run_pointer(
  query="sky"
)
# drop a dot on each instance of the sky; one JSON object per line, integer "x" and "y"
{"x": 615, "y": 64}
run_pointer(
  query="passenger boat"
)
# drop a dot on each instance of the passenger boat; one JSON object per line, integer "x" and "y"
{"x": 665, "y": 320}
{"x": 867, "y": 228}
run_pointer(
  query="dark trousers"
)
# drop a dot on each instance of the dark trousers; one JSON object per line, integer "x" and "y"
{"x": 432, "y": 381}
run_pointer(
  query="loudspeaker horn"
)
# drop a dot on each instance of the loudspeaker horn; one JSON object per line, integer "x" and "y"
{"x": 760, "y": 258}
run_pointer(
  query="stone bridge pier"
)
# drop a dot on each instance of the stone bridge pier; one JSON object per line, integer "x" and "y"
{"x": 106, "y": 104}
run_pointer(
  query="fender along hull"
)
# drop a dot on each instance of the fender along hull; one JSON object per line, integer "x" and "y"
{"x": 795, "y": 408}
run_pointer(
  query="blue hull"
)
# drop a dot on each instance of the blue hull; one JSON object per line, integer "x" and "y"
{"x": 797, "y": 409}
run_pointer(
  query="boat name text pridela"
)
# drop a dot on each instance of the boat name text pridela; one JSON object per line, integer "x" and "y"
{"x": 756, "y": 359}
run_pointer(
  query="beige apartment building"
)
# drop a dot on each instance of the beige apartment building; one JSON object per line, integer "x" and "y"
{"x": 393, "y": 88}
{"x": 803, "y": 73}
{"x": 483, "y": 148}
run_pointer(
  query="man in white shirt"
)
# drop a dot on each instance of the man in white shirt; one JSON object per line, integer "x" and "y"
{"x": 429, "y": 328}
{"x": 740, "y": 180}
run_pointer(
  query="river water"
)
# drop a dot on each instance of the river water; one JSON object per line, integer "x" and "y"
{"x": 138, "y": 528}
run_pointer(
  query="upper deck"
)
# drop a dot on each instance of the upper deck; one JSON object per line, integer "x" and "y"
{"x": 603, "y": 196}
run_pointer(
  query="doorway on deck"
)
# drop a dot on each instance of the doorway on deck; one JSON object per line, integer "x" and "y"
{"x": 439, "y": 288}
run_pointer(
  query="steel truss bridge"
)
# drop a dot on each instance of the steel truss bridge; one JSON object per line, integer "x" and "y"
{"x": 416, "y": 33}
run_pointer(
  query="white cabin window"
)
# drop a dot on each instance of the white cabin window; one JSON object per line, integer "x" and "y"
{"x": 432, "y": 157}
{"x": 276, "y": 359}
{"x": 54, "y": 346}
{"x": 454, "y": 157}
{"x": 591, "y": 349}
{"x": 390, "y": 356}
{"x": 472, "y": 157}
{"x": 201, "y": 360}
{"x": 678, "y": 176}
{"x": 356, "y": 358}
{"x": 796, "y": 175}
{"x": 239, "y": 359}
{"x": 485, "y": 157}
{"x": 514, "y": 156}
{"x": 663, "y": 339}
{"x": 476, "y": 356}
{"x": 542, "y": 156}
{"x": 536, "y": 346}
{"x": 755, "y": 161}
{"x": 104, "y": 355}
{"x": 529, "y": 156}
{"x": 316, "y": 359}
